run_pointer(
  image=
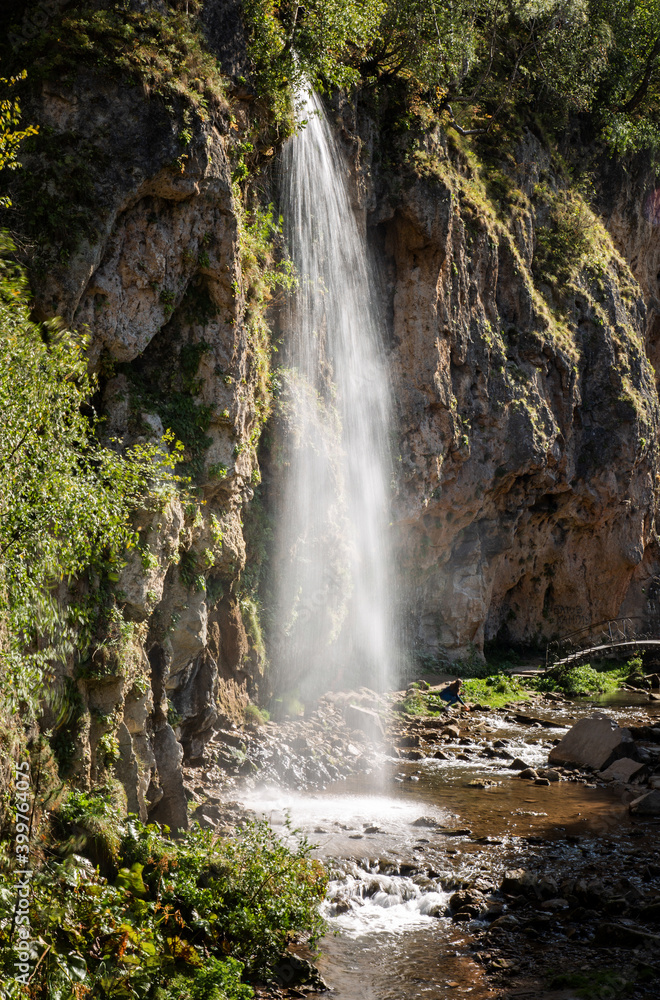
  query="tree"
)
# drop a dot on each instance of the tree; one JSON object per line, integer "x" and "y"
{"x": 11, "y": 134}
{"x": 65, "y": 500}
{"x": 629, "y": 96}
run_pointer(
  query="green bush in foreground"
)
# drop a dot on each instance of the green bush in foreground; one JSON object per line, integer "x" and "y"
{"x": 175, "y": 920}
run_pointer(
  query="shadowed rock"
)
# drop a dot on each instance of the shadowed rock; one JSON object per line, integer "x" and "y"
{"x": 593, "y": 742}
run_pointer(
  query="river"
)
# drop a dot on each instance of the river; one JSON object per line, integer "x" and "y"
{"x": 402, "y": 839}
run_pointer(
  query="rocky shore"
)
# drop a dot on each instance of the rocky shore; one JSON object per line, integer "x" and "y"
{"x": 550, "y": 908}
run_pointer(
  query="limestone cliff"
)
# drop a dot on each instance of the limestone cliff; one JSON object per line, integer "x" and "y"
{"x": 527, "y": 405}
{"x": 145, "y": 257}
{"x": 519, "y": 337}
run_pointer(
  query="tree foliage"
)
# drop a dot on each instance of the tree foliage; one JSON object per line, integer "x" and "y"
{"x": 11, "y": 133}
{"x": 66, "y": 500}
{"x": 473, "y": 60}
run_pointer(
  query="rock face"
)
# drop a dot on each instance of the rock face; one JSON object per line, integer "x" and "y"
{"x": 526, "y": 406}
{"x": 593, "y": 742}
{"x": 157, "y": 284}
{"x": 527, "y": 411}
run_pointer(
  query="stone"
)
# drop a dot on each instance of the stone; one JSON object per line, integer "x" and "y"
{"x": 463, "y": 898}
{"x": 519, "y": 882}
{"x": 549, "y": 773}
{"x": 508, "y": 922}
{"x": 623, "y": 769}
{"x": 626, "y": 936}
{"x": 517, "y": 764}
{"x": 547, "y": 887}
{"x": 452, "y": 731}
{"x": 554, "y": 905}
{"x": 365, "y": 720}
{"x": 426, "y": 821}
{"x": 593, "y": 742}
{"x": 530, "y": 774}
{"x": 646, "y": 805}
{"x": 541, "y": 781}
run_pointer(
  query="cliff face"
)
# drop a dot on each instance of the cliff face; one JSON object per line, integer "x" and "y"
{"x": 157, "y": 284}
{"x": 527, "y": 406}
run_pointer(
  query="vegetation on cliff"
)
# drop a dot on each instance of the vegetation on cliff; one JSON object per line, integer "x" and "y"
{"x": 473, "y": 64}
{"x": 122, "y": 910}
{"x": 128, "y": 912}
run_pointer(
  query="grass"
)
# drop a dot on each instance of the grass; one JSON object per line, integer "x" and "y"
{"x": 498, "y": 688}
{"x": 585, "y": 679}
{"x": 496, "y": 691}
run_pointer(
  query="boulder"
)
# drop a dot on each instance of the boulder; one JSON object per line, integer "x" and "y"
{"x": 647, "y": 805}
{"x": 365, "y": 720}
{"x": 624, "y": 769}
{"x": 549, "y": 773}
{"x": 517, "y": 764}
{"x": 595, "y": 742}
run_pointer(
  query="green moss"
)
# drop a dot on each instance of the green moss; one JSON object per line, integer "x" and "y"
{"x": 171, "y": 393}
{"x": 162, "y": 48}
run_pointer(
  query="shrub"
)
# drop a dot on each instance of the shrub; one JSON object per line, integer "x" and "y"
{"x": 180, "y": 920}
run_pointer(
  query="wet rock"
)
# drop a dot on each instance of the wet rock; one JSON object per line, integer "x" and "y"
{"x": 365, "y": 720}
{"x": 647, "y": 805}
{"x": 540, "y": 781}
{"x": 426, "y": 821}
{"x": 517, "y": 764}
{"x": 528, "y": 720}
{"x": 519, "y": 882}
{"x": 624, "y": 769}
{"x": 530, "y": 774}
{"x": 465, "y": 898}
{"x": 507, "y": 922}
{"x": 550, "y": 773}
{"x": 294, "y": 971}
{"x": 595, "y": 742}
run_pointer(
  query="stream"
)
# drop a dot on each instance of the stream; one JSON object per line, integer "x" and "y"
{"x": 401, "y": 839}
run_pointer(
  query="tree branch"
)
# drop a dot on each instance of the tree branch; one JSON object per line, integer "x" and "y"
{"x": 641, "y": 91}
{"x": 459, "y": 128}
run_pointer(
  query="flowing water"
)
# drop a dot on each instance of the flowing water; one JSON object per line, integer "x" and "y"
{"x": 397, "y": 856}
{"x": 334, "y": 600}
{"x": 437, "y": 823}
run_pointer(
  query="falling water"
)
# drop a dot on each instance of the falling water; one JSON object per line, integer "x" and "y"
{"x": 334, "y": 602}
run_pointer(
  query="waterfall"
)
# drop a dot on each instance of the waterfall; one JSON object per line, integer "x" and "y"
{"x": 334, "y": 606}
